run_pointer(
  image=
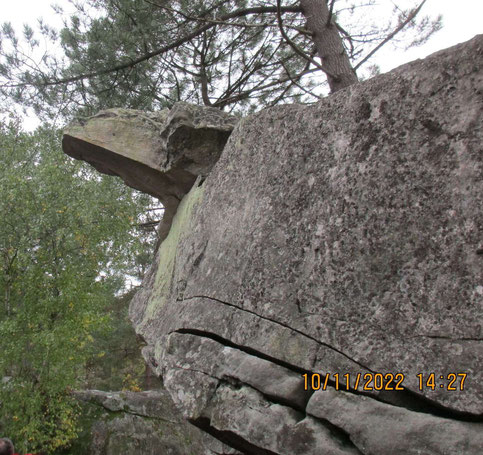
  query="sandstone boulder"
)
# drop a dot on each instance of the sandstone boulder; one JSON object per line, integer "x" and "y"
{"x": 343, "y": 238}
{"x": 147, "y": 423}
{"x": 340, "y": 238}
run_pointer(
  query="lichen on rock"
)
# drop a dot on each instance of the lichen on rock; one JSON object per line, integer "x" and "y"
{"x": 343, "y": 238}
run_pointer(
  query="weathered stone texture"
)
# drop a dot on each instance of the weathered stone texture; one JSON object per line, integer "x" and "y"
{"x": 159, "y": 153}
{"x": 147, "y": 423}
{"x": 342, "y": 238}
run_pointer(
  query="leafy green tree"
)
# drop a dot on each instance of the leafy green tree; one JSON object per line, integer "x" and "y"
{"x": 237, "y": 55}
{"x": 67, "y": 242}
{"x": 116, "y": 362}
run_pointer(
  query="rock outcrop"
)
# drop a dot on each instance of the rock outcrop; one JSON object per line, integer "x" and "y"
{"x": 340, "y": 239}
{"x": 132, "y": 423}
{"x": 159, "y": 153}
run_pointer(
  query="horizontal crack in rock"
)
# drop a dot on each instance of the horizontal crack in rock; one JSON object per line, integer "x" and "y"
{"x": 337, "y": 433}
{"x": 248, "y": 350}
{"x": 407, "y": 398}
{"x": 280, "y": 324}
{"x": 127, "y": 411}
{"x": 229, "y": 438}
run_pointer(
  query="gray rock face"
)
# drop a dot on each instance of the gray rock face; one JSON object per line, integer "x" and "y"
{"x": 339, "y": 238}
{"x": 147, "y": 423}
{"x": 378, "y": 428}
{"x": 343, "y": 238}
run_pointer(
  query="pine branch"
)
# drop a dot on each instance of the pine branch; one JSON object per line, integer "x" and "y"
{"x": 175, "y": 44}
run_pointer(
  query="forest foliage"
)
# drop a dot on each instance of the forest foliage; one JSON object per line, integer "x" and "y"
{"x": 68, "y": 240}
{"x": 235, "y": 55}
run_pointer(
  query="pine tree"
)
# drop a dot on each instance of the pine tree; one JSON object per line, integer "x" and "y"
{"x": 234, "y": 55}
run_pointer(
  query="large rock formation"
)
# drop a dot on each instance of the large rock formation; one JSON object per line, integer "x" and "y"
{"x": 343, "y": 238}
{"x": 131, "y": 423}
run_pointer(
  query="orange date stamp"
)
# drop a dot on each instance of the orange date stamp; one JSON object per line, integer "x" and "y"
{"x": 370, "y": 382}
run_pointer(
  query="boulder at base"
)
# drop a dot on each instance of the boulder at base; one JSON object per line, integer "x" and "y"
{"x": 133, "y": 423}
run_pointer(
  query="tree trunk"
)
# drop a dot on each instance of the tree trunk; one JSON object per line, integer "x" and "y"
{"x": 328, "y": 42}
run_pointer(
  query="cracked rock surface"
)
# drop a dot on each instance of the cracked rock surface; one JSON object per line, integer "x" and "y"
{"x": 341, "y": 238}
{"x": 335, "y": 238}
{"x": 147, "y": 422}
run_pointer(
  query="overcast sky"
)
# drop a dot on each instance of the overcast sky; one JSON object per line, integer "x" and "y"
{"x": 462, "y": 20}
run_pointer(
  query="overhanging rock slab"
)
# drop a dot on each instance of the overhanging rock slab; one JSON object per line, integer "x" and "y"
{"x": 159, "y": 153}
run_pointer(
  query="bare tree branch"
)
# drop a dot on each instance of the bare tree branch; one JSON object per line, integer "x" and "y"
{"x": 331, "y": 12}
{"x": 391, "y": 35}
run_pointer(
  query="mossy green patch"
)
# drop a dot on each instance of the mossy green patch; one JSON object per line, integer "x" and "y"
{"x": 167, "y": 250}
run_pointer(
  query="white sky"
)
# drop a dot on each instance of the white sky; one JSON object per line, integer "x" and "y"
{"x": 462, "y": 20}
